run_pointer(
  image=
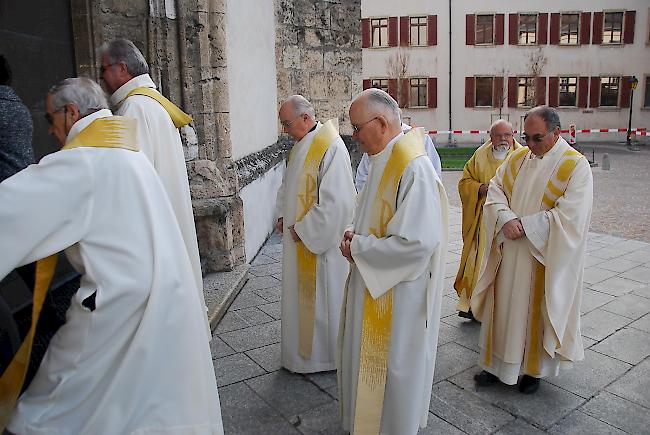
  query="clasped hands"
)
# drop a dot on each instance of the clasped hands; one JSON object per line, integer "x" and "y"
{"x": 346, "y": 244}
{"x": 513, "y": 229}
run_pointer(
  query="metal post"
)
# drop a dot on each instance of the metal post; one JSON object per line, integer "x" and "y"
{"x": 628, "y": 140}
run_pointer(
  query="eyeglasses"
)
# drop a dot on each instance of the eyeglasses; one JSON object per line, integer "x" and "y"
{"x": 105, "y": 67}
{"x": 287, "y": 124}
{"x": 50, "y": 119}
{"x": 357, "y": 128}
{"x": 537, "y": 138}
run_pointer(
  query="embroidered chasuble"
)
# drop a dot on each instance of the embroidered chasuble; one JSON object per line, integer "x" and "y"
{"x": 529, "y": 290}
{"x": 479, "y": 169}
{"x": 392, "y": 304}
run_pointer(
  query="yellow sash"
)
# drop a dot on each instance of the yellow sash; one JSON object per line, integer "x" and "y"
{"x": 109, "y": 132}
{"x": 179, "y": 118}
{"x": 378, "y": 313}
{"x": 307, "y": 260}
{"x": 555, "y": 188}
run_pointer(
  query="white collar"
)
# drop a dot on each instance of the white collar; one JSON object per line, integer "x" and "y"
{"x": 143, "y": 80}
{"x": 85, "y": 122}
{"x": 387, "y": 149}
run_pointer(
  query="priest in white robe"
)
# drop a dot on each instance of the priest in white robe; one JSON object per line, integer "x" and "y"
{"x": 536, "y": 220}
{"x": 397, "y": 246}
{"x": 126, "y": 75}
{"x": 133, "y": 355}
{"x": 315, "y": 204}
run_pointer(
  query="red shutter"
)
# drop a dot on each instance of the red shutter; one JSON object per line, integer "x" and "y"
{"x": 512, "y": 91}
{"x": 498, "y": 35}
{"x": 585, "y": 28}
{"x": 553, "y": 91}
{"x": 403, "y": 31}
{"x": 365, "y": 32}
{"x": 513, "y": 29}
{"x": 497, "y": 92}
{"x": 542, "y": 28}
{"x": 392, "y": 31}
{"x": 594, "y": 92}
{"x": 626, "y": 86}
{"x": 392, "y": 89}
{"x": 583, "y": 91}
{"x": 404, "y": 93}
{"x": 432, "y": 92}
{"x": 597, "y": 34}
{"x": 469, "y": 29}
{"x": 469, "y": 91}
{"x": 432, "y": 30}
{"x": 628, "y": 31}
{"x": 540, "y": 91}
{"x": 366, "y": 84}
{"x": 555, "y": 29}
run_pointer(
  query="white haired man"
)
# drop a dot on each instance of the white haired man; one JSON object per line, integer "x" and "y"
{"x": 126, "y": 75}
{"x": 472, "y": 188}
{"x": 536, "y": 220}
{"x": 315, "y": 203}
{"x": 133, "y": 355}
{"x": 397, "y": 244}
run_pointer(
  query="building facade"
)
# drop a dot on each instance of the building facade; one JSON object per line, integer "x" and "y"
{"x": 461, "y": 65}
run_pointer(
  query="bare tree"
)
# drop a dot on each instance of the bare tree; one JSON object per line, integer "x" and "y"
{"x": 397, "y": 65}
{"x": 537, "y": 60}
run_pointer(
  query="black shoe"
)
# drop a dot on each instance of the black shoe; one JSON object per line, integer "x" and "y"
{"x": 484, "y": 379}
{"x": 467, "y": 315}
{"x": 528, "y": 384}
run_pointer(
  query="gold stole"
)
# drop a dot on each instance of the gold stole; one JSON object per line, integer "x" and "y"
{"x": 179, "y": 118}
{"x": 555, "y": 188}
{"x": 307, "y": 260}
{"x": 378, "y": 313}
{"x": 109, "y": 132}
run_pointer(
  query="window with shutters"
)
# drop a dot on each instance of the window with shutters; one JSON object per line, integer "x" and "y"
{"x": 483, "y": 95}
{"x": 484, "y": 33}
{"x": 418, "y": 31}
{"x": 569, "y": 28}
{"x": 418, "y": 92}
{"x": 646, "y": 94}
{"x": 379, "y": 32}
{"x": 379, "y": 84}
{"x": 609, "y": 88}
{"x": 525, "y": 91}
{"x": 568, "y": 91}
{"x": 612, "y": 27}
{"x": 527, "y": 29}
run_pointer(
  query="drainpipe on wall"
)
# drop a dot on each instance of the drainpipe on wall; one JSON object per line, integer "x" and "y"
{"x": 449, "y": 139}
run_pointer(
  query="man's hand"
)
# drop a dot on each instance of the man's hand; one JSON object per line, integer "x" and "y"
{"x": 346, "y": 245}
{"x": 348, "y": 235}
{"x": 513, "y": 229}
{"x": 294, "y": 234}
{"x": 482, "y": 191}
{"x": 279, "y": 225}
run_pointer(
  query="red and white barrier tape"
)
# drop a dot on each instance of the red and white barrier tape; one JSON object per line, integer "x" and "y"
{"x": 638, "y": 131}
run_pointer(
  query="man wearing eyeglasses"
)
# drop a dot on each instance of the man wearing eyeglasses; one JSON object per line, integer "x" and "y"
{"x": 472, "y": 188}
{"x": 397, "y": 245}
{"x": 315, "y": 203}
{"x": 125, "y": 73}
{"x": 536, "y": 219}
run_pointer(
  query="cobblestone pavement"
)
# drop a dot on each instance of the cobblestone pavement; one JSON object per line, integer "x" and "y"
{"x": 608, "y": 392}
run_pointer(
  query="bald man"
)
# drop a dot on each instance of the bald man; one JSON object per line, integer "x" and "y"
{"x": 397, "y": 245}
{"x": 315, "y": 203}
{"x": 473, "y": 187}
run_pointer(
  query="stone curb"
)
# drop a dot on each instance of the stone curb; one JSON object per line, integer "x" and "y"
{"x": 220, "y": 290}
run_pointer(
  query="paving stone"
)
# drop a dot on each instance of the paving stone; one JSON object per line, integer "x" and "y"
{"x": 634, "y": 385}
{"x": 273, "y": 309}
{"x": 271, "y": 294}
{"x": 628, "y": 344}
{"x": 266, "y": 269}
{"x": 595, "y": 245}
{"x": 437, "y": 426}
{"x": 219, "y": 349}
{"x": 588, "y": 342}
{"x": 617, "y": 286}
{"x": 640, "y": 273}
{"x": 278, "y": 276}
{"x": 618, "y": 265}
{"x": 642, "y": 324}
{"x": 585, "y": 378}
{"x": 599, "y": 324}
{"x": 451, "y": 359}
{"x": 235, "y": 368}
{"x": 578, "y": 423}
{"x": 607, "y": 253}
{"x": 629, "y": 305}
{"x": 245, "y": 413}
{"x": 451, "y": 269}
{"x": 641, "y": 256}
{"x": 595, "y": 274}
{"x": 254, "y": 316}
{"x": 275, "y": 239}
{"x": 467, "y": 412}
{"x": 231, "y": 321}
{"x": 592, "y": 299}
{"x": 333, "y": 391}
{"x": 618, "y": 412}
{"x": 470, "y": 338}
{"x": 253, "y": 336}
{"x": 322, "y": 419}
{"x": 631, "y": 245}
{"x": 261, "y": 259}
{"x": 643, "y": 292}
{"x": 289, "y": 393}
{"x": 260, "y": 282}
{"x": 607, "y": 239}
{"x": 592, "y": 261}
{"x": 543, "y": 409}
{"x": 323, "y": 380}
{"x": 267, "y": 357}
{"x": 448, "y": 333}
{"x": 271, "y": 249}
{"x": 519, "y": 427}
{"x": 448, "y": 306}
{"x": 246, "y": 298}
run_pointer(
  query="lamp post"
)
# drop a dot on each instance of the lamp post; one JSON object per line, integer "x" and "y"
{"x": 633, "y": 82}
